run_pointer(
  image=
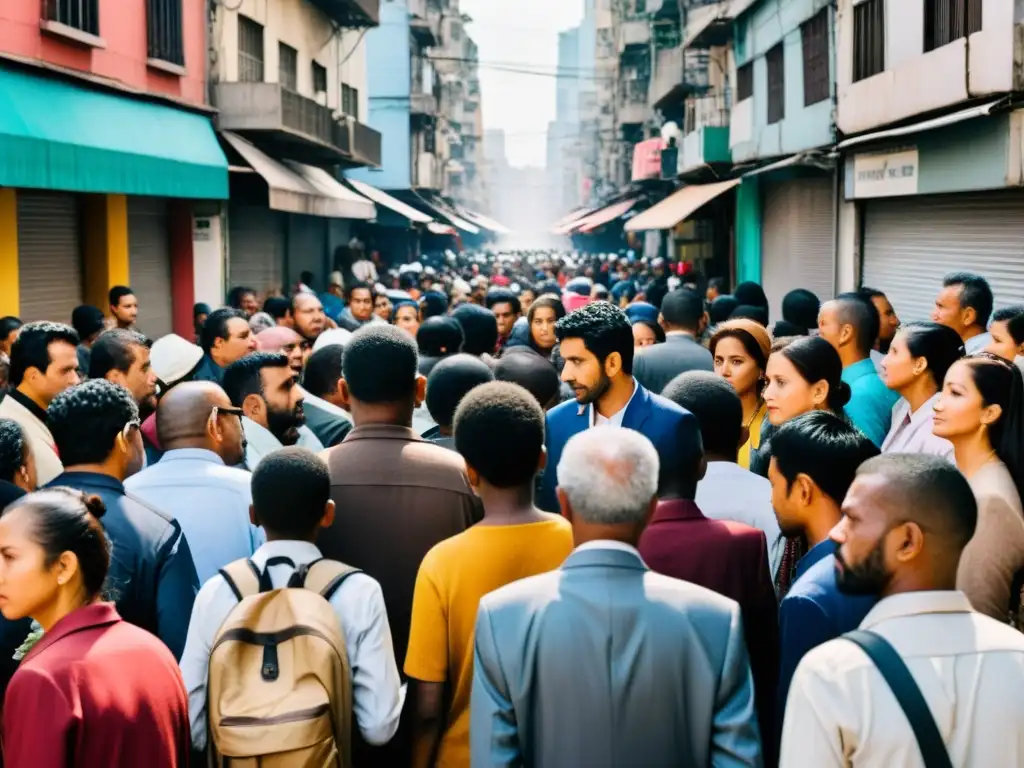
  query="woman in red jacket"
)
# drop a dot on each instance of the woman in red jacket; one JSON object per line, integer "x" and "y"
{"x": 94, "y": 690}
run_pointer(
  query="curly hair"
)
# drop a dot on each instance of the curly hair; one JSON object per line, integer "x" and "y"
{"x": 13, "y": 449}
{"x": 604, "y": 328}
{"x": 86, "y": 420}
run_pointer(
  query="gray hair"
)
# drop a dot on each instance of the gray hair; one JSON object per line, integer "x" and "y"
{"x": 610, "y": 475}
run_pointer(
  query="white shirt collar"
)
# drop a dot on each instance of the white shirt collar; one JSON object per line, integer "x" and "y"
{"x": 324, "y": 405}
{"x": 615, "y": 419}
{"x": 916, "y": 603}
{"x": 299, "y": 552}
{"x": 609, "y": 544}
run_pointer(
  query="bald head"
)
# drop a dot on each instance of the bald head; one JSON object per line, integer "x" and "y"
{"x": 183, "y": 415}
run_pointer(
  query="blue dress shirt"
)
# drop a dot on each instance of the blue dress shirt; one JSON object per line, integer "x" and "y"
{"x": 814, "y": 612}
{"x": 871, "y": 402}
{"x": 152, "y": 579}
{"x": 208, "y": 499}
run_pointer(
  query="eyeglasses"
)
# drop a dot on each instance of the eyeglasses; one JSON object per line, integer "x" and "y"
{"x": 127, "y": 430}
{"x": 231, "y": 411}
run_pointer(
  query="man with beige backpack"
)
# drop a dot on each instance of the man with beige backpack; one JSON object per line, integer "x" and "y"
{"x": 287, "y": 651}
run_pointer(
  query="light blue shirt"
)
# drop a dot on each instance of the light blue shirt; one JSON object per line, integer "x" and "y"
{"x": 209, "y": 500}
{"x": 871, "y": 402}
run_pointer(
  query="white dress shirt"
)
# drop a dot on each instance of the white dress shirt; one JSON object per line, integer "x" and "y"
{"x": 377, "y": 695}
{"x": 977, "y": 343}
{"x": 969, "y": 667}
{"x": 259, "y": 441}
{"x": 615, "y": 420}
{"x": 912, "y": 432}
{"x": 621, "y": 546}
{"x": 730, "y": 492}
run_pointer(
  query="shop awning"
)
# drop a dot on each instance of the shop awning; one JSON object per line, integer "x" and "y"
{"x": 604, "y": 215}
{"x": 925, "y": 125}
{"x": 564, "y": 225}
{"x": 679, "y": 206}
{"x": 441, "y": 229}
{"x": 485, "y": 222}
{"x": 445, "y": 212}
{"x": 297, "y": 188}
{"x": 55, "y": 134}
{"x": 381, "y": 197}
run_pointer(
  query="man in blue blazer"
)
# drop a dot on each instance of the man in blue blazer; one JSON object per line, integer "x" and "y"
{"x": 596, "y": 342}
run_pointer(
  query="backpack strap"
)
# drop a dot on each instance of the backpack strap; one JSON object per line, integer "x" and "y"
{"x": 243, "y": 577}
{"x": 324, "y": 576}
{"x": 908, "y": 696}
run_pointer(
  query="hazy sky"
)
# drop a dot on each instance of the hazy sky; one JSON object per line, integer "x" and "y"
{"x": 520, "y": 34}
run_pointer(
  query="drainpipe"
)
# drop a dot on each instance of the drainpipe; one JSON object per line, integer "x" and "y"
{"x": 837, "y": 172}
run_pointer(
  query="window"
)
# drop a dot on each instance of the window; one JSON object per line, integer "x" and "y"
{"x": 814, "y": 34}
{"x": 429, "y": 141}
{"x": 745, "y": 81}
{"x": 288, "y": 67}
{"x": 350, "y": 101}
{"x": 776, "y": 61}
{"x": 80, "y": 14}
{"x": 949, "y": 20}
{"x": 319, "y": 78}
{"x": 163, "y": 28}
{"x": 250, "y": 51}
{"x": 868, "y": 39}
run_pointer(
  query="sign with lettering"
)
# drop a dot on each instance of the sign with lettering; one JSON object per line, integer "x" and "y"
{"x": 885, "y": 175}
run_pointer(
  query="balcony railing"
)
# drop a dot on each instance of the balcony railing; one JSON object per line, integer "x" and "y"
{"x": 710, "y": 111}
{"x": 82, "y": 15}
{"x": 164, "y": 32}
{"x": 351, "y": 13}
{"x": 423, "y": 104}
{"x": 365, "y": 143}
{"x": 634, "y": 32}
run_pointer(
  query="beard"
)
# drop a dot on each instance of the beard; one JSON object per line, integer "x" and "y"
{"x": 594, "y": 393}
{"x": 868, "y": 577}
{"x": 284, "y": 424}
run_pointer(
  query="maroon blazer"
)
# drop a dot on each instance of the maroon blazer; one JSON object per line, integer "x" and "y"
{"x": 96, "y": 691}
{"x": 732, "y": 560}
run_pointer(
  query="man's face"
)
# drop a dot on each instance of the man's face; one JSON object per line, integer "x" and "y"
{"x": 948, "y": 311}
{"x": 60, "y": 374}
{"x": 829, "y": 327}
{"x": 126, "y": 310}
{"x": 361, "y": 304}
{"x": 239, "y": 343}
{"x": 785, "y": 502}
{"x": 232, "y": 447}
{"x": 309, "y": 317}
{"x": 505, "y": 316}
{"x": 249, "y": 305}
{"x": 890, "y": 323}
{"x": 583, "y": 372}
{"x": 139, "y": 379}
{"x": 283, "y": 397}
{"x": 296, "y": 352}
{"x": 861, "y": 559}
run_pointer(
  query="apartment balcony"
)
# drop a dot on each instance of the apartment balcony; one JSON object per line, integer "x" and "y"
{"x": 365, "y": 143}
{"x": 633, "y": 112}
{"x": 351, "y": 13}
{"x": 420, "y": 24}
{"x": 423, "y": 104}
{"x": 287, "y": 123}
{"x": 634, "y": 33}
{"x": 425, "y": 175}
{"x": 677, "y": 73}
{"x": 707, "y": 132}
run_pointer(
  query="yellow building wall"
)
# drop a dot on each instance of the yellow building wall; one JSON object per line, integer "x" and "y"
{"x": 105, "y": 246}
{"x": 9, "y": 286}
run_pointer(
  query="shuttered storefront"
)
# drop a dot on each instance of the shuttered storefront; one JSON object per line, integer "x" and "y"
{"x": 256, "y": 248}
{"x": 910, "y": 243}
{"x": 50, "y": 268}
{"x": 797, "y": 238}
{"x": 307, "y": 249}
{"x": 149, "y": 264}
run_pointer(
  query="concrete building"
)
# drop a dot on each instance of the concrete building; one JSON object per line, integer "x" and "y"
{"x": 932, "y": 173}
{"x": 290, "y": 86}
{"x": 107, "y": 149}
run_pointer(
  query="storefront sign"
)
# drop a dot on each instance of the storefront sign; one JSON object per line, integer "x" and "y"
{"x": 887, "y": 175}
{"x": 201, "y": 230}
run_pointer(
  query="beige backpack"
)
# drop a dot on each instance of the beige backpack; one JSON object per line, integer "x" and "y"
{"x": 280, "y": 689}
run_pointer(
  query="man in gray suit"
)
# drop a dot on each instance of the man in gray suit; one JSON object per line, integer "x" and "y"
{"x": 604, "y": 663}
{"x": 683, "y": 318}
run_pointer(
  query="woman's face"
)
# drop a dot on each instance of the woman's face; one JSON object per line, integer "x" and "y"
{"x": 1002, "y": 344}
{"x": 542, "y": 327}
{"x": 899, "y": 367}
{"x": 735, "y": 365}
{"x": 27, "y": 586}
{"x": 407, "y": 317}
{"x": 959, "y": 411}
{"x": 643, "y": 336}
{"x": 788, "y": 395}
{"x": 382, "y": 307}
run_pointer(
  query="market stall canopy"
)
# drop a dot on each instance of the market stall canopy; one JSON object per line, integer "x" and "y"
{"x": 564, "y": 225}
{"x": 55, "y": 134}
{"x": 437, "y": 209}
{"x": 381, "y": 197}
{"x": 437, "y": 228}
{"x": 679, "y": 206}
{"x": 603, "y": 216}
{"x": 486, "y": 222}
{"x": 297, "y": 188}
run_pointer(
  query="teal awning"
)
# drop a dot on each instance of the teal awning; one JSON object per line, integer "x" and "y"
{"x": 58, "y": 135}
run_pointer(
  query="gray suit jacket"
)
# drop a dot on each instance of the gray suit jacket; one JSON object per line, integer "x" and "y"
{"x": 604, "y": 663}
{"x": 657, "y": 365}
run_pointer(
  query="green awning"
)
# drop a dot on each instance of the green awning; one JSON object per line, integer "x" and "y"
{"x": 58, "y": 135}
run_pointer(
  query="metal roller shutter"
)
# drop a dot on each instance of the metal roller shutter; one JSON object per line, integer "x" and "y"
{"x": 307, "y": 249}
{"x": 49, "y": 256}
{"x": 910, "y": 243}
{"x": 797, "y": 239}
{"x": 255, "y": 248}
{"x": 149, "y": 264}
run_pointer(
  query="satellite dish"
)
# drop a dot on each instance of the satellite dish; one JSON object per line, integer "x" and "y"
{"x": 670, "y": 133}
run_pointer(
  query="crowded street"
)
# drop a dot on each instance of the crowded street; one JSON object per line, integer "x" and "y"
{"x": 463, "y": 384}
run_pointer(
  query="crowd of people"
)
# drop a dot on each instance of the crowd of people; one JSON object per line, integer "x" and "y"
{"x": 531, "y": 509}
